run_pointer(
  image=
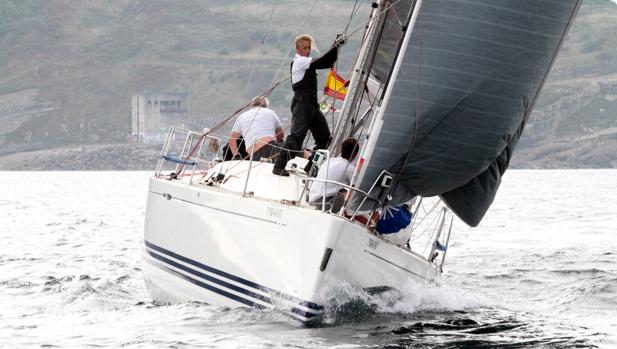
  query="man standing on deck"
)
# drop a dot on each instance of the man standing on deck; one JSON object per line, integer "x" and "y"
{"x": 304, "y": 107}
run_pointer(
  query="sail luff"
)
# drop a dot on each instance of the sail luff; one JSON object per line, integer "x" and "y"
{"x": 367, "y": 151}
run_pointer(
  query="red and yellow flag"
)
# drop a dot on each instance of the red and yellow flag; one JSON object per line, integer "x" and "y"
{"x": 335, "y": 85}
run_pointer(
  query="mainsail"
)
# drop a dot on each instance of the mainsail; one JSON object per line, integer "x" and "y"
{"x": 466, "y": 86}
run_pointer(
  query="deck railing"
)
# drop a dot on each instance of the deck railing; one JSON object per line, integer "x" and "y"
{"x": 193, "y": 153}
{"x": 185, "y": 150}
{"x": 190, "y": 156}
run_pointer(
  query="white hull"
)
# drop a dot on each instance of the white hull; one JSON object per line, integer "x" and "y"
{"x": 214, "y": 245}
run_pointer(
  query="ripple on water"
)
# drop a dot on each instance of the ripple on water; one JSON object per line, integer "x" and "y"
{"x": 532, "y": 286}
{"x": 17, "y": 283}
{"x": 589, "y": 271}
{"x": 54, "y": 284}
{"x": 481, "y": 328}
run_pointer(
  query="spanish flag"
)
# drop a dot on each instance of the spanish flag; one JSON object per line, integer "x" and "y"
{"x": 335, "y": 85}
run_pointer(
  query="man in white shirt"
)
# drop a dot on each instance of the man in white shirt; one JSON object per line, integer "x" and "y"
{"x": 306, "y": 114}
{"x": 260, "y": 129}
{"x": 339, "y": 169}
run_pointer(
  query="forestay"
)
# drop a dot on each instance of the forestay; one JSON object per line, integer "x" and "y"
{"x": 466, "y": 86}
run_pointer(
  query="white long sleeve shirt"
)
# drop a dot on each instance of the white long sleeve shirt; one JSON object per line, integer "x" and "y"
{"x": 298, "y": 67}
{"x": 338, "y": 169}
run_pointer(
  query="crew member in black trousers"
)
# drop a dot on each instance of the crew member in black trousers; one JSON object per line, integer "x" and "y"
{"x": 304, "y": 107}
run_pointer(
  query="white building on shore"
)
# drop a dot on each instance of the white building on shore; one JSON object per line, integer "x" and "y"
{"x": 153, "y": 113}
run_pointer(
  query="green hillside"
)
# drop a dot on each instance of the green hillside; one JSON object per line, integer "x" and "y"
{"x": 68, "y": 68}
{"x": 84, "y": 60}
{"x": 575, "y": 117}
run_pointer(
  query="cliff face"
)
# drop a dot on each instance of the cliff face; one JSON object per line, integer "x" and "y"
{"x": 574, "y": 123}
{"x": 68, "y": 70}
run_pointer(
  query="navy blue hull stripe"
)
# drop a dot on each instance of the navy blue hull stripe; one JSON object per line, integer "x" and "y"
{"x": 235, "y": 278}
{"x": 211, "y": 279}
{"x": 213, "y": 289}
{"x": 219, "y": 291}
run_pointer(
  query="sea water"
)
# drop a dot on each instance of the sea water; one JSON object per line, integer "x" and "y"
{"x": 539, "y": 271}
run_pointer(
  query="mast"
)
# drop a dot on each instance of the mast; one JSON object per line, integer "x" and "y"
{"x": 358, "y": 78}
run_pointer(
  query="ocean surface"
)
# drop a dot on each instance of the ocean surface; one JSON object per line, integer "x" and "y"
{"x": 539, "y": 271}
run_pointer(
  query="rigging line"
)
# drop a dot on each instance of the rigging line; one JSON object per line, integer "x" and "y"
{"x": 433, "y": 236}
{"x": 423, "y": 233}
{"x": 424, "y": 209}
{"x": 437, "y": 229}
{"x": 422, "y": 220}
{"x": 239, "y": 110}
{"x": 353, "y": 13}
{"x": 426, "y": 214}
{"x": 365, "y": 122}
{"x": 225, "y": 120}
{"x": 263, "y": 38}
{"x": 231, "y": 167}
{"x": 386, "y": 9}
{"x": 247, "y": 105}
{"x": 357, "y": 10}
{"x": 261, "y": 45}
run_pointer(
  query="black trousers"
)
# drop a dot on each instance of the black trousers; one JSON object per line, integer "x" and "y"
{"x": 267, "y": 151}
{"x": 227, "y": 156}
{"x": 333, "y": 203}
{"x": 306, "y": 116}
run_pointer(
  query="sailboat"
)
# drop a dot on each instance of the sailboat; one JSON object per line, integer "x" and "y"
{"x": 439, "y": 96}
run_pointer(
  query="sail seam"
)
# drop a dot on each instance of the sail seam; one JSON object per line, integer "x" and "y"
{"x": 459, "y": 53}
{"x": 475, "y": 93}
{"x": 508, "y": 9}
{"x": 489, "y": 23}
{"x": 475, "y": 38}
{"x": 483, "y": 77}
{"x": 496, "y": 115}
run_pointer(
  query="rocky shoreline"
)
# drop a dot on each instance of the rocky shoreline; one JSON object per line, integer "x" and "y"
{"x": 100, "y": 157}
{"x": 141, "y": 157}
